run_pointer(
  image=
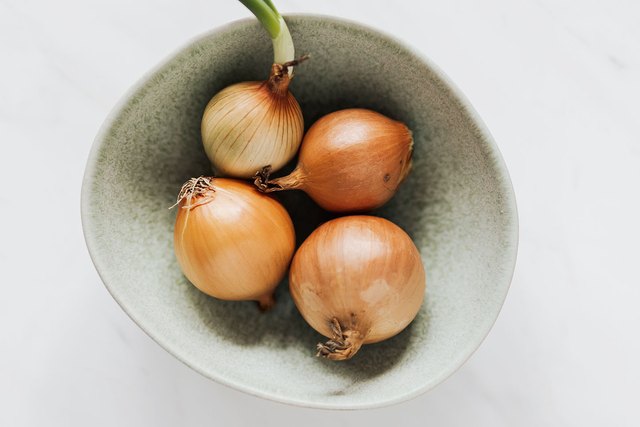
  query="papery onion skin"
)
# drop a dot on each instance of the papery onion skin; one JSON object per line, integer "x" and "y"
{"x": 351, "y": 160}
{"x": 363, "y": 273}
{"x": 250, "y": 124}
{"x": 234, "y": 243}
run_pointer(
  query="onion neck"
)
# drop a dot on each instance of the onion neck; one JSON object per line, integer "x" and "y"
{"x": 344, "y": 344}
{"x": 281, "y": 75}
{"x": 279, "y": 79}
{"x": 293, "y": 181}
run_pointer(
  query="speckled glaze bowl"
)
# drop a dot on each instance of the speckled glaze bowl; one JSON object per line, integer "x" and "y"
{"x": 457, "y": 204}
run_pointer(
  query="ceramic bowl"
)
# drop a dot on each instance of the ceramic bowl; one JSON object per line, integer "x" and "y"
{"x": 457, "y": 204}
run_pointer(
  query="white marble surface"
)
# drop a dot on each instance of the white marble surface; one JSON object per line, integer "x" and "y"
{"x": 556, "y": 81}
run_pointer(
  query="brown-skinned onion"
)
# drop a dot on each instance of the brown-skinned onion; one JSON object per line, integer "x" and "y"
{"x": 351, "y": 160}
{"x": 357, "y": 280}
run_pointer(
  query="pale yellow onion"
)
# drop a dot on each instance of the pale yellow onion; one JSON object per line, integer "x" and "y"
{"x": 252, "y": 124}
{"x": 351, "y": 160}
{"x": 357, "y": 280}
{"x": 231, "y": 241}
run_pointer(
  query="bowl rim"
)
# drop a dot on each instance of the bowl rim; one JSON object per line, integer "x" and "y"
{"x": 456, "y": 94}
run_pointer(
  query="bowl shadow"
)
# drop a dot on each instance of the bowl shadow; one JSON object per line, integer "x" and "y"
{"x": 240, "y": 323}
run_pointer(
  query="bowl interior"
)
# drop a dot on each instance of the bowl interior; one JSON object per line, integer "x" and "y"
{"x": 457, "y": 205}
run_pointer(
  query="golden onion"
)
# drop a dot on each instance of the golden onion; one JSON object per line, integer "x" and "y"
{"x": 231, "y": 241}
{"x": 357, "y": 280}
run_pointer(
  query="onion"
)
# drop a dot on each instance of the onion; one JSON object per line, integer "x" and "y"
{"x": 231, "y": 241}
{"x": 357, "y": 280}
{"x": 250, "y": 124}
{"x": 351, "y": 160}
